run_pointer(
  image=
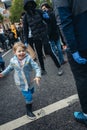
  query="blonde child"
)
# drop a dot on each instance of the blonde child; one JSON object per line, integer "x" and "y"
{"x": 23, "y": 64}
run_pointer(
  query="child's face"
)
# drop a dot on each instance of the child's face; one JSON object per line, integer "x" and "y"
{"x": 20, "y": 53}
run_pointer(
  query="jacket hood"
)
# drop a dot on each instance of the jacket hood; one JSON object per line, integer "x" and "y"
{"x": 29, "y": 1}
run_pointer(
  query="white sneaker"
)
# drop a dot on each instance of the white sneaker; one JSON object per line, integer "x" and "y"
{"x": 60, "y": 71}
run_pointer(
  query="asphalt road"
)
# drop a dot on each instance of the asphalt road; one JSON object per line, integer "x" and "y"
{"x": 57, "y": 96}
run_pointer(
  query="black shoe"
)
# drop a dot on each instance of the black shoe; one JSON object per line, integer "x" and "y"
{"x": 29, "y": 112}
{"x": 43, "y": 72}
{"x": 31, "y": 115}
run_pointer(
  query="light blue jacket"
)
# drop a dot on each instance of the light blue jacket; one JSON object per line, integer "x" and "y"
{"x": 22, "y": 75}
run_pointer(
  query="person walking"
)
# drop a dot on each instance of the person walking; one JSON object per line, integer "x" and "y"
{"x": 35, "y": 28}
{"x": 71, "y": 16}
{"x": 53, "y": 33}
{"x": 23, "y": 64}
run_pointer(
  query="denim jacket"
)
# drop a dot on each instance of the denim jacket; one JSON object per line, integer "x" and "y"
{"x": 22, "y": 75}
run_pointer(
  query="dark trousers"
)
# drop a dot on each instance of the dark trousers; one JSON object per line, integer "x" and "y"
{"x": 38, "y": 47}
{"x": 80, "y": 74}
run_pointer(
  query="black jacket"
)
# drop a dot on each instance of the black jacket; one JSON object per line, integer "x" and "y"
{"x": 52, "y": 26}
{"x": 34, "y": 20}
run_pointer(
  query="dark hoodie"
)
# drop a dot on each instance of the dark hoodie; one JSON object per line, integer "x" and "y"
{"x": 29, "y": 1}
{"x": 33, "y": 19}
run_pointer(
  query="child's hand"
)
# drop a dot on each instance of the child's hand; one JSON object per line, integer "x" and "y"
{"x": 37, "y": 80}
{"x": 1, "y": 75}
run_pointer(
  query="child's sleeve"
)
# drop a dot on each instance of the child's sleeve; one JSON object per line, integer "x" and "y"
{"x": 8, "y": 69}
{"x": 36, "y": 67}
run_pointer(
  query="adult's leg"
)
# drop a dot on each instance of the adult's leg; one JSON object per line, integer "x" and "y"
{"x": 80, "y": 75}
{"x": 54, "y": 56}
{"x": 38, "y": 46}
{"x": 60, "y": 53}
{"x": 31, "y": 42}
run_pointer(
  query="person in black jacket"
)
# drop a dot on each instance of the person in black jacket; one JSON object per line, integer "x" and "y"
{"x": 34, "y": 27}
{"x": 53, "y": 33}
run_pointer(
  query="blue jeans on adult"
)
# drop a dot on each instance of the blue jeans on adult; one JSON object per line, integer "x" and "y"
{"x": 56, "y": 48}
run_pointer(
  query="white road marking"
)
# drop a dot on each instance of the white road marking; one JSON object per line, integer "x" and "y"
{"x": 6, "y": 53}
{"x": 48, "y": 110}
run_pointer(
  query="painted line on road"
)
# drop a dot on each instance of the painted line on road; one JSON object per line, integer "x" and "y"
{"x": 48, "y": 110}
{"x": 6, "y": 53}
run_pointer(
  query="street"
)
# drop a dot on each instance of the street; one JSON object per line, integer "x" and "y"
{"x": 54, "y": 101}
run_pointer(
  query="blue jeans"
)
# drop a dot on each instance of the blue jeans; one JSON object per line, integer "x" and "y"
{"x": 28, "y": 95}
{"x": 56, "y": 48}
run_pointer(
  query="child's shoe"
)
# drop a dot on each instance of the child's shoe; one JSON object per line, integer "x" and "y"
{"x": 29, "y": 112}
{"x": 79, "y": 116}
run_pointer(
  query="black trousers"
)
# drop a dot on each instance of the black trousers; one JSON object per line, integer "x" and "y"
{"x": 39, "y": 44}
{"x": 80, "y": 74}
{"x": 38, "y": 47}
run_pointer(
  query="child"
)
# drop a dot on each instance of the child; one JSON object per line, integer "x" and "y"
{"x": 22, "y": 64}
{"x": 2, "y": 62}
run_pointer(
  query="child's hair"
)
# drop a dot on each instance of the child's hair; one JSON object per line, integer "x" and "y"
{"x": 18, "y": 44}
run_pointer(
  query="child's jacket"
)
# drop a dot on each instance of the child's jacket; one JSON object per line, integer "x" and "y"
{"x": 22, "y": 75}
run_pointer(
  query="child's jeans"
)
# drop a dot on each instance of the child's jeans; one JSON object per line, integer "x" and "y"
{"x": 28, "y": 95}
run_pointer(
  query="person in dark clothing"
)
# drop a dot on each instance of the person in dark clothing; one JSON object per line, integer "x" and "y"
{"x": 2, "y": 62}
{"x": 35, "y": 29}
{"x": 2, "y": 40}
{"x": 11, "y": 37}
{"x": 53, "y": 33}
{"x": 71, "y": 16}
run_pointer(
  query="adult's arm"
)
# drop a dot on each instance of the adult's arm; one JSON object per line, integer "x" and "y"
{"x": 64, "y": 19}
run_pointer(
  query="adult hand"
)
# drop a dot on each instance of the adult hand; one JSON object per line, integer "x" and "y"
{"x": 78, "y": 58}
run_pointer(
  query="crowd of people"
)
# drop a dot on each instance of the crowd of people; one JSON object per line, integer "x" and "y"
{"x": 7, "y": 39}
{"x": 47, "y": 29}
{"x": 37, "y": 29}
